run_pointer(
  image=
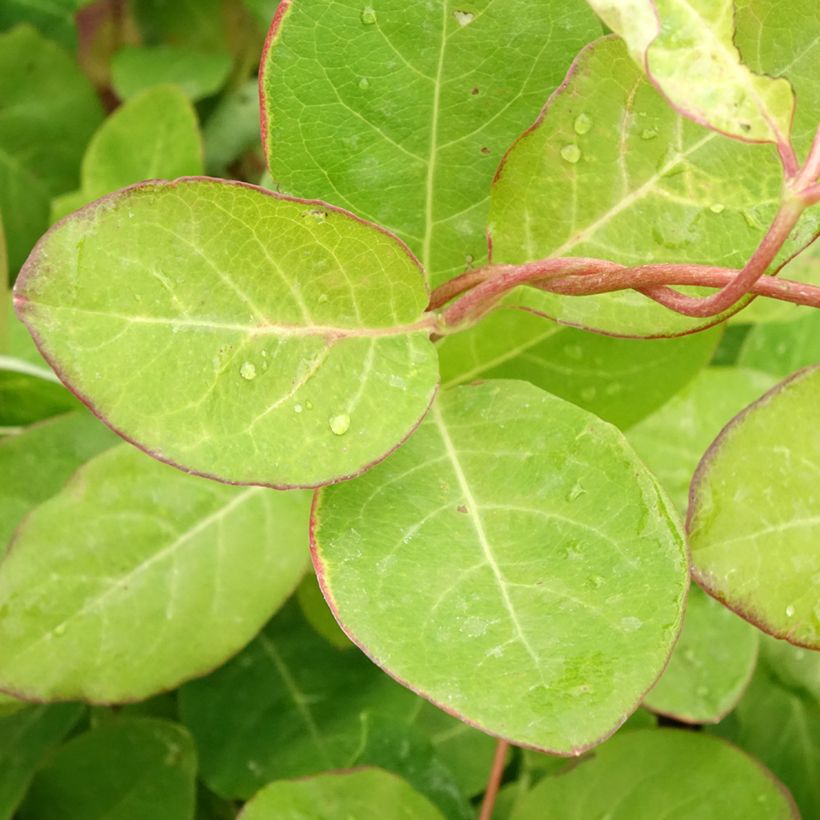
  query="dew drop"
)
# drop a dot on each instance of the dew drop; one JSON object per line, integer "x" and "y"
{"x": 368, "y": 15}
{"x": 59, "y": 630}
{"x": 340, "y": 424}
{"x": 649, "y": 133}
{"x": 468, "y": 260}
{"x": 248, "y": 371}
{"x": 571, "y": 153}
{"x": 789, "y": 611}
{"x": 297, "y": 408}
{"x": 463, "y": 18}
{"x": 322, "y": 298}
{"x": 582, "y": 124}
{"x": 752, "y": 221}
{"x": 309, "y": 405}
{"x": 576, "y": 491}
{"x": 364, "y": 83}
{"x": 716, "y": 208}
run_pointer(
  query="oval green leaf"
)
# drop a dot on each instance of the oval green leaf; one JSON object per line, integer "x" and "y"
{"x": 121, "y": 770}
{"x": 367, "y": 794}
{"x": 401, "y": 111}
{"x": 152, "y": 577}
{"x": 237, "y": 334}
{"x": 619, "y": 380}
{"x": 499, "y": 564}
{"x": 636, "y": 184}
{"x": 712, "y": 664}
{"x": 781, "y": 348}
{"x": 754, "y": 518}
{"x": 638, "y": 774}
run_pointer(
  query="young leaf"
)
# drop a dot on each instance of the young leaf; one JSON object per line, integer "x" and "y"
{"x": 288, "y": 706}
{"x": 153, "y": 577}
{"x": 778, "y": 720}
{"x": 237, "y": 334}
{"x": 48, "y": 111}
{"x": 688, "y": 49}
{"x": 535, "y": 622}
{"x": 232, "y": 128}
{"x": 781, "y": 348}
{"x": 610, "y": 170}
{"x": 36, "y": 463}
{"x": 620, "y": 380}
{"x": 54, "y": 18}
{"x": 711, "y": 666}
{"x": 753, "y": 518}
{"x": 401, "y": 111}
{"x": 122, "y": 770}
{"x": 30, "y": 393}
{"x": 198, "y": 74}
{"x": 672, "y": 440}
{"x": 368, "y": 794}
{"x": 26, "y": 739}
{"x": 638, "y": 773}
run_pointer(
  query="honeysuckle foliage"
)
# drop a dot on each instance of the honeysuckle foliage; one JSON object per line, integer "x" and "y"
{"x": 500, "y": 315}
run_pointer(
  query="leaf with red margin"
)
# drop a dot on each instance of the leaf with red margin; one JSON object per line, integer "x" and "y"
{"x": 514, "y": 562}
{"x": 234, "y": 333}
{"x": 754, "y": 513}
{"x": 610, "y": 170}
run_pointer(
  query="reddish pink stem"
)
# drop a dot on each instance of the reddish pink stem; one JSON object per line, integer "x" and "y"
{"x": 494, "y": 781}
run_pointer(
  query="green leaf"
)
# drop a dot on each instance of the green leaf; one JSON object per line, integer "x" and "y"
{"x": 54, "y": 18}
{"x": 390, "y": 743}
{"x": 535, "y": 623}
{"x": 713, "y": 661}
{"x": 30, "y": 393}
{"x": 289, "y": 705}
{"x": 317, "y": 613}
{"x": 123, "y": 770}
{"x": 232, "y": 128}
{"x": 369, "y": 794}
{"x": 620, "y": 380}
{"x": 688, "y": 49}
{"x": 36, "y": 463}
{"x": 779, "y": 722}
{"x": 199, "y": 24}
{"x": 198, "y": 74}
{"x": 26, "y": 739}
{"x": 401, "y": 111}
{"x": 153, "y": 577}
{"x": 48, "y": 111}
{"x": 781, "y": 348}
{"x": 233, "y": 332}
{"x": 672, "y": 440}
{"x": 754, "y": 520}
{"x": 154, "y": 135}
{"x": 638, "y": 774}
{"x": 639, "y": 184}
{"x": 783, "y": 40}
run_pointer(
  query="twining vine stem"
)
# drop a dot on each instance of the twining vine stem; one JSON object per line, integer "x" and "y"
{"x": 494, "y": 780}
{"x": 478, "y": 291}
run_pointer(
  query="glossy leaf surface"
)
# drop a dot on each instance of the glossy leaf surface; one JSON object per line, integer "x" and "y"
{"x": 36, "y": 463}
{"x": 672, "y": 440}
{"x": 368, "y": 794}
{"x": 555, "y": 534}
{"x": 26, "y": 739}
{"x": 44, "y": 101}
{"x": 754, "y": 516}
{"x": 289, "y": 705}
{"x": 152, "y": 577}
{"x": 119, "y": 771}
{"x": 620, "y": 380}
{"x": 310, "y": 340}
{"x": 611, "y": 171}
{"x": 637, "y": 773}
{"x": 711, "y": 666}
{"x": 401, "y": 111}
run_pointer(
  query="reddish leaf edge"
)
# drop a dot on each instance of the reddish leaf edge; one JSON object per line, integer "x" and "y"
{"x": 574, "y": 69}
{"x": 573, "y": 752}
{"x": 704, "y": 579}
{"x": 29, "y": 272}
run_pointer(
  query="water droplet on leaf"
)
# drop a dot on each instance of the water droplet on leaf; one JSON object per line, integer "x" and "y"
{"x": 649, "y": 133}
{"x": 716, "y": 208}
{"x": 571, "y": 153}
{"x": 297, "y": 408}
{"x": 322, "y": 298}
{"x": 582, "y": 124}
{"x": 368, "y": 15}
{"x": 340, "y": 424}
{"x": 364, "y": 83}
{"x": 248, "y": 371}
{"x": 789, "y": 611}
{"x": 576, "y": 491}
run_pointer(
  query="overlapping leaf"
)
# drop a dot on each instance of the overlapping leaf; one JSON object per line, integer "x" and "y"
{"x": 501, "y": 562}
{"x": 781, "y": 348}
{"x": 237, "y": 334}
{"x": 620, "y": 380}
{"x": 152, "y": 577}
{"x": 754, "y": 515}
{"x": 611, "y": 171}
{"x": 401, "y": 111}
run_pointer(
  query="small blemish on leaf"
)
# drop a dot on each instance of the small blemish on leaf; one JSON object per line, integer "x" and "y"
{"x": 462, "y": 509}
{"x": 571, "y": 153}
{"x": 248, "y": 371}
{"x": 340, "y": 424}
{"x": 368, "y": 15}
{"x": 463, "y": 18}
